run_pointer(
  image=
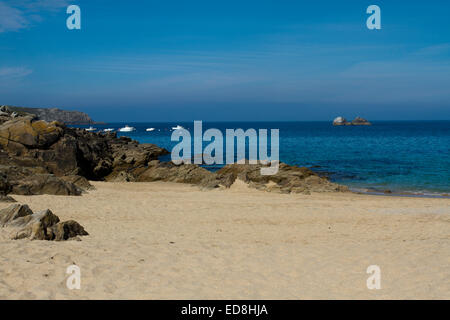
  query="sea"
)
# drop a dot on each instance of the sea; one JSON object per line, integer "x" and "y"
{"x": 404, "y": 157}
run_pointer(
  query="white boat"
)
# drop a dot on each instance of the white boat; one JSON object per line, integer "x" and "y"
{"x": 127, "y": 129}
{"x": 177, "y": 127}
{"x": 90, "y": 129}
{"x": 108, "y": 130}
{"x": 149, "y": 129}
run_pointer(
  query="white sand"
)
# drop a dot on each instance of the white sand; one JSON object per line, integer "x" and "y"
{"x": 173, "y": 241}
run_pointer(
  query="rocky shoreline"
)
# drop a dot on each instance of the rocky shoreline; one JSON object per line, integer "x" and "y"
{"x": 40, "y": 157}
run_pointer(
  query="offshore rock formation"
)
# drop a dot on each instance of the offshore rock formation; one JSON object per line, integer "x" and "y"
{"x": 52, "y": 114}
{"x": 43, "y": 225}
{"x": 358, "y": 121}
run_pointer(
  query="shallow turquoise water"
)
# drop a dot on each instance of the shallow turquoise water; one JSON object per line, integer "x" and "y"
{"x": 400, "y": 156}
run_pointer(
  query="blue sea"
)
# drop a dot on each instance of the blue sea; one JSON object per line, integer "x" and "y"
{"x": 401, "y": 156}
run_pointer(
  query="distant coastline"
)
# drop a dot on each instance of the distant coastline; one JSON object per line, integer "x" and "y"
{"x": 55, "y": 114}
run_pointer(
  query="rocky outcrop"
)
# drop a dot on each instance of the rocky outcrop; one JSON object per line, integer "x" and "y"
{"x": 288, "y": 179}
{"x": 44, "y": 184}
{"x": 34, "y": 180}
{"x": 44, "y": 225}
{"x": 169, "y": 172}
{"x": 21, "y": 134}
{"x": 358, "y": 121}
{"x": 128, "y": 155}
{"x": 80, "y": 182}
{"x": 40, "y": 157}
{"x": 53, "y": 114}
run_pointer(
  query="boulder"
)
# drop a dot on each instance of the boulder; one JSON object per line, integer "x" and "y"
{"x": 184, "y": 173}
{"x": 13, "y": 212}
{"x": 43, "y": 225}
{"x": 34, "y": 226}
{"x": 20, "y": 134}
{"x": 35, "y": 184}
{"x": 122, "y": 176}
{"x": 34, "y": 181}
{"x": 289, "y": 179}
{"x": 80, "y": 182}
{"x": 66, "y": 230}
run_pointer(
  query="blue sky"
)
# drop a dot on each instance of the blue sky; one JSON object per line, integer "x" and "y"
{"x": 228, "y": 60}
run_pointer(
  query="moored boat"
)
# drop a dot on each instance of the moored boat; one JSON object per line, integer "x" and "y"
{"x": 127, "y": 128}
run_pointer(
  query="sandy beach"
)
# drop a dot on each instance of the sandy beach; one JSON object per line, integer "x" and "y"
{"x": 174, "y": 241}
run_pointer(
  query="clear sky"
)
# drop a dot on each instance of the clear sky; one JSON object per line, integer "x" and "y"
{"x": 228, "y": 60}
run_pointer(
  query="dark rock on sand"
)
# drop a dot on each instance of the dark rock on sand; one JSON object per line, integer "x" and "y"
{"x": 12, "y": 213}
{"x": 43, "y": 225}
{"x": 289, "y": 179}
{"x": 184, "y": 173}
{"x": 35, "y": 226}
{"x": 4, "y": 198}
{"x": 66, "y": 230}
{"x": 44, "y": 184}
{"x": 31, "y": 181}
{"x": 80, "y": 182}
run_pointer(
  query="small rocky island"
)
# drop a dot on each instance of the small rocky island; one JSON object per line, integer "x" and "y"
{"x": 358, "y": 121}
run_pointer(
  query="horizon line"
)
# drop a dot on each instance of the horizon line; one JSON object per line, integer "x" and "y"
{"x": 167, "y": 121}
